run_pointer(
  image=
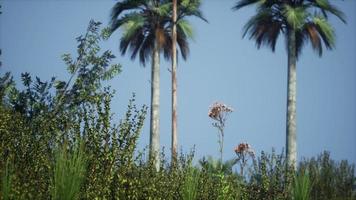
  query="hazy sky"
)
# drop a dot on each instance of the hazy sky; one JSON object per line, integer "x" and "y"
{"x": 221, "y": 67}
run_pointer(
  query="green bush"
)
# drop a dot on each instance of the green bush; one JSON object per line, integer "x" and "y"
{"x": 330, "y": 179}
{"x": 269, "y": 177}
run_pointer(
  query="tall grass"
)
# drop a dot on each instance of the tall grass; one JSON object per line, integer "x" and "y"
{"x": 302, "y": 186}
{"x": 190, "y": 186}
{"x": 6, "y": 182}
{"x": 69, "y": 173}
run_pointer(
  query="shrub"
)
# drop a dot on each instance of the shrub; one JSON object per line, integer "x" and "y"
{"x": 330, "y": 179}
{"x": 269, "y": 177}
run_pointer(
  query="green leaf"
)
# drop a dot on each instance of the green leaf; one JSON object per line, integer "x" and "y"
{"x": 325, "y": 7}
{"x": 295, "y": 16}
{"x": 185, "y": 3}
{"x": 243, "y": 3}
{"x": 59, "y": 85}
{"x": 186, "y": 28}
{"x": 132, "y": 23}
{"x": 105, "y": 33}
{"x": 26, "y": 79}
{"x": 112, "y": 71}
{"x": 325, "y": 30}
{"x": 164, "y": 9}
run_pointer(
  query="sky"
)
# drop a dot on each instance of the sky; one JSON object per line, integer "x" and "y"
{"x": 222, "y": 66}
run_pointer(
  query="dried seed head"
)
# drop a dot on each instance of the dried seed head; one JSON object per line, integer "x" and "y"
{"x": 244, "y": 148}
{"x": 218, "y": 109}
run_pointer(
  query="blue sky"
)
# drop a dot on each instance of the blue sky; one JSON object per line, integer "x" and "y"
{"x": 221, "y": 67}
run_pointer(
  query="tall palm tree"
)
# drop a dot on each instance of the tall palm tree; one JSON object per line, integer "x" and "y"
{"x": 147, "y": 27}
{"x": 174, "y": 84}
{"x": 186, "y": 8}
{"x": 299, "y": 21}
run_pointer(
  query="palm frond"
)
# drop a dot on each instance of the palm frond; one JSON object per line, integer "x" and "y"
{"x": 311, "y": 32}
{"x": 244, "y": 3}
{"x": 300, "y": 40}
{"x": 264, "y": 29}
{"x": 163, "y": 9}
{"x": 131, "y": 23}
{"x": 258, "y": 18}
{"x": 130, "y": 18}
{"x": 136, "y": 44}
{"x": 167, "y": 47}
{"x": 185, "y": 28}
{"x": 295, "y": 16}
{"x": 183, "y": 45}
{"x": 128, "y": 37}
{"x": 126, "y": 5}
{"x": 326, "y": 31}
{"x": 326, "y": 7}
{"x": 190, "y": 8}
{"x": 147, "y": 48}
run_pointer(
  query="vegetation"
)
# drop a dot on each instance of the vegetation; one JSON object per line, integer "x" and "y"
{"x": 299, "y": 21}
{"x": 58, "y": 139}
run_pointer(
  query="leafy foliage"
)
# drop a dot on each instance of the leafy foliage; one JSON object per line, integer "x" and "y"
{"x": 44, "y": 115}
{"x": 270, "y": 177}
{"x": 330, "y": 179}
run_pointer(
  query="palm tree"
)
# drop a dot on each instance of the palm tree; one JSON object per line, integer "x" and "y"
{"x": 147, "y": 27}
{"x": 186, "y": 8}
{"x": 299, "y": 21}
{"x": 174, "y": 84}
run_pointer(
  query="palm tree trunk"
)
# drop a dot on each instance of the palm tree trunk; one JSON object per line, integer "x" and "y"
{"x": 155, "y": 93}
{"x": 174, "y": 84}
{"x": 291, "y": 139}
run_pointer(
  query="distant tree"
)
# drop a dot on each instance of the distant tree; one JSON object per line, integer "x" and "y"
{"x": 147, "y": 31}
{"x": 299, "y": 21}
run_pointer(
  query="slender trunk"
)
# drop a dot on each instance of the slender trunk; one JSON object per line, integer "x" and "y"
{"x": 291, "y": 138}
{"x": 174, "y": 84}
{"x": 155, "y": 93}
